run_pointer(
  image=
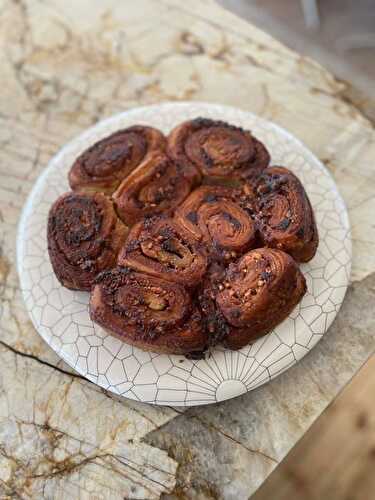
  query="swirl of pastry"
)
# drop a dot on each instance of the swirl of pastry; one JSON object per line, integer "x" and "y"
{"x": 217, "y": 149}
{"x": 285, "y": 217}
{"x": 158, "y": 185}
{"x": 160, "y": 247}
{"x": 257, "y": 293}
{"x": 107, "y": 162}
{"x": 146, "y": 311}
{"x": 84, "y": 237}
{"x": 211, "y": 215}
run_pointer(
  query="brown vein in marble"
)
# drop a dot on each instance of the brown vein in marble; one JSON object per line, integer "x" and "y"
{"x": 119, "y": 399}
{"x": 214, "y": 428}
{"x": 344, "y": 95}
{"x": 66, "y": 466}
{"x": 228, "y": 29}
{"x": 73, "y": 462}
{"x": 16, "y": 352}
{"x": 90, "y": 385}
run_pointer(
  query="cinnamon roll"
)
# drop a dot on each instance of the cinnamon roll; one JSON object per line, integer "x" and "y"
{"x": 256, "y": 293}
{"x": 105, "y": 164}
{"x": 199, "y": 266}
{"x": 211, "y": 215}
{"x": 284, "y": 214}
{"x": 84, "y": 238}
{"x": 147, "y": 312}
{"x": 217, "y": 149}
{"x": 160, "y": 247}
{"x": 158, "y": 185}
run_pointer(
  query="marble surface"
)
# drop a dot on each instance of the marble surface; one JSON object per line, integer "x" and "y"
{"x": 64, "y": 65}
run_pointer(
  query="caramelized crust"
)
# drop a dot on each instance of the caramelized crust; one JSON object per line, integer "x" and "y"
{"x": 284, "y": 215}
{"x": 199, "y": 266}
{"x": 147, "y": 312}
{"x": 212, "y": 216}
{"x": 217, "y": 149}
{"x": 157, "y": 186}
{"x": 84, "y": 238}
{"x": 160, "y": 247}
{"x": 105, "y": 164}
{"x": 252, "y": 296}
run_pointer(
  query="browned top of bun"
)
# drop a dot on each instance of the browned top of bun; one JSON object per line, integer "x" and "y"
{"x": 186, "y": 241}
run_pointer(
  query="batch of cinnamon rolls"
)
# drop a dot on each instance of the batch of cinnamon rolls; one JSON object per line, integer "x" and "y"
{"x": 184, "y": 242}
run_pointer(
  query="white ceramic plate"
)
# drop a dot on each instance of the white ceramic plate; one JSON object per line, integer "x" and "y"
{"x": 61, "y": 315}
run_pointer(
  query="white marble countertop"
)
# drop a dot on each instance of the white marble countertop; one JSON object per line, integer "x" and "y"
{"x": 64, "y": 65}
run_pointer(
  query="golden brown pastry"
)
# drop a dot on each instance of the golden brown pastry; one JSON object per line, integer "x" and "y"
{"x": 215, "y": 233}
{"x": 148, "y": 312}
{"x": 160, "y": 247}
{"x": 157, "y": 186}
{"x": 105, "y": 164}
{"x": 84, "y": 238}
{"x": 212, "y": 216}
{"x": 252, "y": 296}
{"x": 217, "y": 149}
{"x": 284, "y": 215}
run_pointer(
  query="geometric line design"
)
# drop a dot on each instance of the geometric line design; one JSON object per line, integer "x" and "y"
{"x": 61, "y": 315}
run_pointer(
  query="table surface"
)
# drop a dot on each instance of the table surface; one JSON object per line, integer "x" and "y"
{"x": 65, "y": 65}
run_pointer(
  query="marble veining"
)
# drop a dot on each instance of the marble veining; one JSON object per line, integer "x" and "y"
{"x": 64, "y": 66}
